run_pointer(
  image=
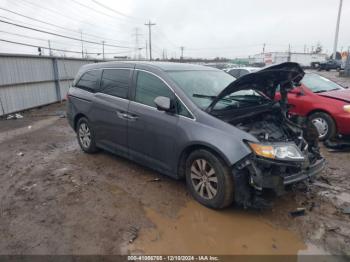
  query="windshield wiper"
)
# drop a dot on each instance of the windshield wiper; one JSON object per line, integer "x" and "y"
{"x": 203, "y": 96}
{"x": 207, "y": 96}
{"x": 261, "y": 99}
{"x": 322, "y": 91}
{"x": 229, "y": 99}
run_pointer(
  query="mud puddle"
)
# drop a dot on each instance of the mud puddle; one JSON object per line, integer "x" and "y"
{"x": 199, "y": 230}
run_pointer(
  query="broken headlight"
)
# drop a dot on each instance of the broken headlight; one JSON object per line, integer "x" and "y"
{"x": 285, "y": 151}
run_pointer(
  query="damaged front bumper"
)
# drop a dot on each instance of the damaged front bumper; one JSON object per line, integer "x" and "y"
{"x": 253, "y": 175}
{"x": 277, "y": 174}
{"x": 305, "y": 174}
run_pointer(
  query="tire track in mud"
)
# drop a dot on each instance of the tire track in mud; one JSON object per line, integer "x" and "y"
{"x": 8, "y": 135}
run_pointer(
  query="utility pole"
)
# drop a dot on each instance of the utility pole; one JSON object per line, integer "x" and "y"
{"x": 82, "y": 44}
{"x": 50, "y": 51}
{"x": 337, "y": 30}
{"x": 264, "y": 45}
{"x": 289, "y": 53}
{"x": 146, "y": 49}
{"x": 149, "y": 24}
{"x": 182, "y": 52}
{"x": 103, "y": 50}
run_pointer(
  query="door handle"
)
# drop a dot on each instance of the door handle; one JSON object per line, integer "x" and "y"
{"x": 132, "y": 117}
{"x": 122, "y": 115}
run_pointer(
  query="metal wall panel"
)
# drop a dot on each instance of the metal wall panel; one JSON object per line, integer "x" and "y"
{"x": 65, "y": 85}
{"x": 21, "y": 97}
{"x": 28, "y": 81}
{"x": 67, "y": 69}
{"x": 15, "y": 70}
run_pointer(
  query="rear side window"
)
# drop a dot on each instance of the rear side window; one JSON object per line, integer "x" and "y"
{"x": 90, "y": 80}
{"x": 148, "y": 87}
{"x": 115, "y": 82}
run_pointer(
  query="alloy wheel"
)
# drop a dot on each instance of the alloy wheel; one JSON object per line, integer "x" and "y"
{"x": 321, "y": 126}
{"x": 204, "y": 179}
{"x": 84, "y": 135}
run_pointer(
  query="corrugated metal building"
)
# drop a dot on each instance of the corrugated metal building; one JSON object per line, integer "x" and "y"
{"x": 28, "y": 81}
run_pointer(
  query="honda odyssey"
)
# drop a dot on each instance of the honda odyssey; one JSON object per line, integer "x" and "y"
{"x": 228, "y": 138}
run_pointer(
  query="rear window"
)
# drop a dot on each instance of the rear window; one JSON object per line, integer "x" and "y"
{"x": 90, "y": 81}
{"x": 115, "y": 82}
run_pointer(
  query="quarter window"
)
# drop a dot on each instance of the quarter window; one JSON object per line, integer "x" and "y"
{"x": 148, "y": 87}
{"x": 182, "y": 110}
{"x": 115, "y": 82}
{"x": 90, "y": 80}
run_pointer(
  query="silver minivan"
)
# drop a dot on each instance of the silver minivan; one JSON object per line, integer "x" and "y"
{"x": 228, "y": 138}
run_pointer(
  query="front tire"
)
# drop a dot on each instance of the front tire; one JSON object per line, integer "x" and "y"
{"x": 324, "y": 124}
{"x": 209, "y": 179}
{"x": 86, "y": 137}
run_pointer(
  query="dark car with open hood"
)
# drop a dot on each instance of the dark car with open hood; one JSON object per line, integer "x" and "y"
{"x": 228, "y": 138}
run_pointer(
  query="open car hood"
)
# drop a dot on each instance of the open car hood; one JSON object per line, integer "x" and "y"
{"x": 285, "y": 75}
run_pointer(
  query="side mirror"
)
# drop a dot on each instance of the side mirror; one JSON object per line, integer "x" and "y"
{"x": 164, "y": 104}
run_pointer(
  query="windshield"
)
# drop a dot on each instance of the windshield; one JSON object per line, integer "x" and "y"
{"x": 202, "y": 86}
{"x": 319, "y": 84}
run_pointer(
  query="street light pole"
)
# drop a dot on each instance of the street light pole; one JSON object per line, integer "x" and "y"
{"x": 337, "y": 30}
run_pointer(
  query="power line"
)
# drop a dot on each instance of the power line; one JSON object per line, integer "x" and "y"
{"x": 54, "y": 11}
{"x": 113, "y": 10}
{"x": 45, "y": 39}
{"x": 51, "y": 24}
{"x": 30, "y": 37}
{"x": 60, "y": 35}
{"x": 40, "y": 39}
{"x": 88, "y": 7}
{"x": 160, "y": 32}
{"x": 60, "y": 50}
{"x": 95, "y": 10}
{"x": 38, "y": 27}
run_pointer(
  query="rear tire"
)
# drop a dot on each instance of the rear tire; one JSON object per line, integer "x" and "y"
{"x": 86, "y": 136}
{"x": 209, "y": 180}
{"x": 324, "y": 124}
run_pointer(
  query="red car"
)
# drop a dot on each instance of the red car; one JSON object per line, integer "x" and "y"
{"x": 326, "y": 103}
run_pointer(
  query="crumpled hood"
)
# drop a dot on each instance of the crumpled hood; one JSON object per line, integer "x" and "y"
{"x": 343, "y": 95}
{"x": 284, "y": 75}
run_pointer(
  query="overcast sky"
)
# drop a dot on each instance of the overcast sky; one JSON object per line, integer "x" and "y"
{"x": 206, "y": 28}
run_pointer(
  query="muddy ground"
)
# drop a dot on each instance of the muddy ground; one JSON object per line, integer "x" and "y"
{"x": 54, "y": 199}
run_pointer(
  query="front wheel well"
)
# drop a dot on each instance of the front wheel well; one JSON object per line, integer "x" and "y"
{"x": 76, "y": 119}
{"x": 321, "y": 111}
{"x": 188, "y": 150}
{"x": 318, "y": 111}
